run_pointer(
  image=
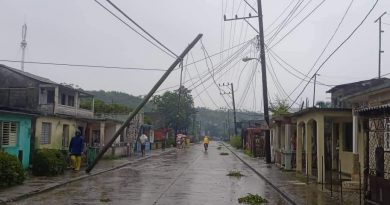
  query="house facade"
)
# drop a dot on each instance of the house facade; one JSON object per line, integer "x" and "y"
{"x": 283, "y": 141}
{"x": 15, "y": 134}
{"x": 59, "y": 106}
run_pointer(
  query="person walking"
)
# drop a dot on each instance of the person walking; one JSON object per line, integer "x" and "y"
{"x": 76, "y": 148}
{"x": 143, "y": 139}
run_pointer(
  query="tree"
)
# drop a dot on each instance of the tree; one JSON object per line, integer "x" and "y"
{"x": 323, "y": 104}
{"x": 100, "y": 107}
{"x": 176, "y": 116}
{"x": 279, "y": 107}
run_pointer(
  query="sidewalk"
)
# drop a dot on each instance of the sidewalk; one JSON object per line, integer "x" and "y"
{"x": 35, "y": 185}
{"x": 291, "y": 184}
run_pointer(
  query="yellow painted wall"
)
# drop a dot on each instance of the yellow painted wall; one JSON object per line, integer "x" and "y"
{"x": 338, "y": 117}
{"x": 56, "y": 131}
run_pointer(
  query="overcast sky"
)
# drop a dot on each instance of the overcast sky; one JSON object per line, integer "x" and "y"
{"x": 82, "y": 32}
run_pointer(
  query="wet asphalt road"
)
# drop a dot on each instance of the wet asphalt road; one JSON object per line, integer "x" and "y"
{"x": 189, "y": 176}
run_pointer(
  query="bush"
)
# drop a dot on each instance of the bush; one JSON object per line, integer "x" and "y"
{"x": 11, "y": 170}
{"x": 235, "y": 142}
{"x": 248, "y": 152}
{"x": 170, "y": 141}
{"x": 48, "y": 162}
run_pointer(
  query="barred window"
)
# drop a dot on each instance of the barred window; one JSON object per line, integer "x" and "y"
{"x": 8, "y": 133}
{"x": 46, "y": 133}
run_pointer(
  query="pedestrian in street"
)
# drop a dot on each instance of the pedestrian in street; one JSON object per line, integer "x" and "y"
{"x": 76, "y": 148}
{"x": 143, "y": 139}
{"x": 206, "y": 142}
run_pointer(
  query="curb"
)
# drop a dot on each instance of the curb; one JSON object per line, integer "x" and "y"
{"x": 284, "y": 194}
{"x": 56, "y": 185}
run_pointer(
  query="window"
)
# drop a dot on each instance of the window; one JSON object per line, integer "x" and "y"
{"x": 71, "y": 100}
{"x": 8, "y": 133}
{"x": 348, "y": 137}
{"x": 63, "y": 99}
{"x": 45, "y": 133}
{"x": 50, "y": 96}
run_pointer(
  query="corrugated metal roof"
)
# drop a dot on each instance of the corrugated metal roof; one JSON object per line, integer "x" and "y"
{"x": 372, "y": 108}
{"x": 29, "y": 75}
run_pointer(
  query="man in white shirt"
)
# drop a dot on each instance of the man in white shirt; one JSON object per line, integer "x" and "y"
{"x": 143, "y": 139}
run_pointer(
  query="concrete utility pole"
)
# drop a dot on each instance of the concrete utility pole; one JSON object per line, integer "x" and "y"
{"x": 234, "y": 103}
{"x": 264, "y": 75}
{"x": 264, "y": 78}
{"x": 142, "y": 104}
{"x": 380, "y": 43}
{"x": 23, "y": 44}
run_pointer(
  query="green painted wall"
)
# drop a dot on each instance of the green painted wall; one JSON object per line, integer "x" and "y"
{"x": 23, "y": 137}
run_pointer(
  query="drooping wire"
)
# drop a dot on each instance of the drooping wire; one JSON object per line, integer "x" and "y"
{"x": 82, "y": 65}
{"x": 296, "y": 26}
{"x": 140, "y": 27}
{"x": 140, "y": 34}
{"x": 325, "y": 48}
{"x": 338, "y": 47}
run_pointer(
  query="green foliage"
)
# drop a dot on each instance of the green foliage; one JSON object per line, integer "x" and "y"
{"x": 248, "y": 152}
{"x": 252, "y": 199}
{"x": 279, "y": 107}
{"x": 223, "y": 153}
{"x": 323, "y": 104}
{"x": 48, "y": 162}
{"x": 102, "y": 108}
{"x": 214, "y": 122}
{"x": 170, "y": 141}
{"x": 121, "y": 98}
{"x": 235, "y": 142}
{"x": 105, "y": 199}
{"x": 167, "y": 105}
{"x": 235, "y": 174}
{"x": 11, "y": 170}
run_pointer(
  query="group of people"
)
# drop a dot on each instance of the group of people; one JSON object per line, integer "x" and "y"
{"x": 76, "y": 149}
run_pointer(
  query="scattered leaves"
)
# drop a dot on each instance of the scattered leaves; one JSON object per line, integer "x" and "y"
{"x": 105, "y": 199}
{"x": 235, "y": 174}
{"x": 219, "y": 148}
{"x": 252, "y": 199}
{"x": 224, "y": 153}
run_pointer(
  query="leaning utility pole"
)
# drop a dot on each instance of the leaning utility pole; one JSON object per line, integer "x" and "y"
{"x": 23, "y": 44}
{"x": 234, "y": 103}
{"x": 264, "y": 76}
{"x": 380, "y": 43}
{"x": 142, "y": 104}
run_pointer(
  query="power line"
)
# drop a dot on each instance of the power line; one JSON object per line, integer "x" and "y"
{"x": 326, "y": 47}
{"x": 82, "y": 65}
{"x": 338, "y": 47}
{"x": 280, "y": 15}
{"x": 296, "y": 26}
{"x": 285, "y": 22}
{"x": 140, "y": 27}
{"x": 226, "y": 61}
{"x": 250, "y": 6}
{"x": 117, "y": 17}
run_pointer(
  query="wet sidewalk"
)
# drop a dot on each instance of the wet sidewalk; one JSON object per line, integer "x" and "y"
{"x": 292, "y": 184}
{"x": 34, "y": 185}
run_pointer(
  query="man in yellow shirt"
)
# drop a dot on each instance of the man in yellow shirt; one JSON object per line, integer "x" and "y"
{"x": 206, "y": 142}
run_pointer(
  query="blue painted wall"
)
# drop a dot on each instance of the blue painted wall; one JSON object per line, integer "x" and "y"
{"x": 23, "y": 136}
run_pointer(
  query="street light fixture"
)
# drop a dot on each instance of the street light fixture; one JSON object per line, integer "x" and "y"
{"x": 246, "y": 59}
